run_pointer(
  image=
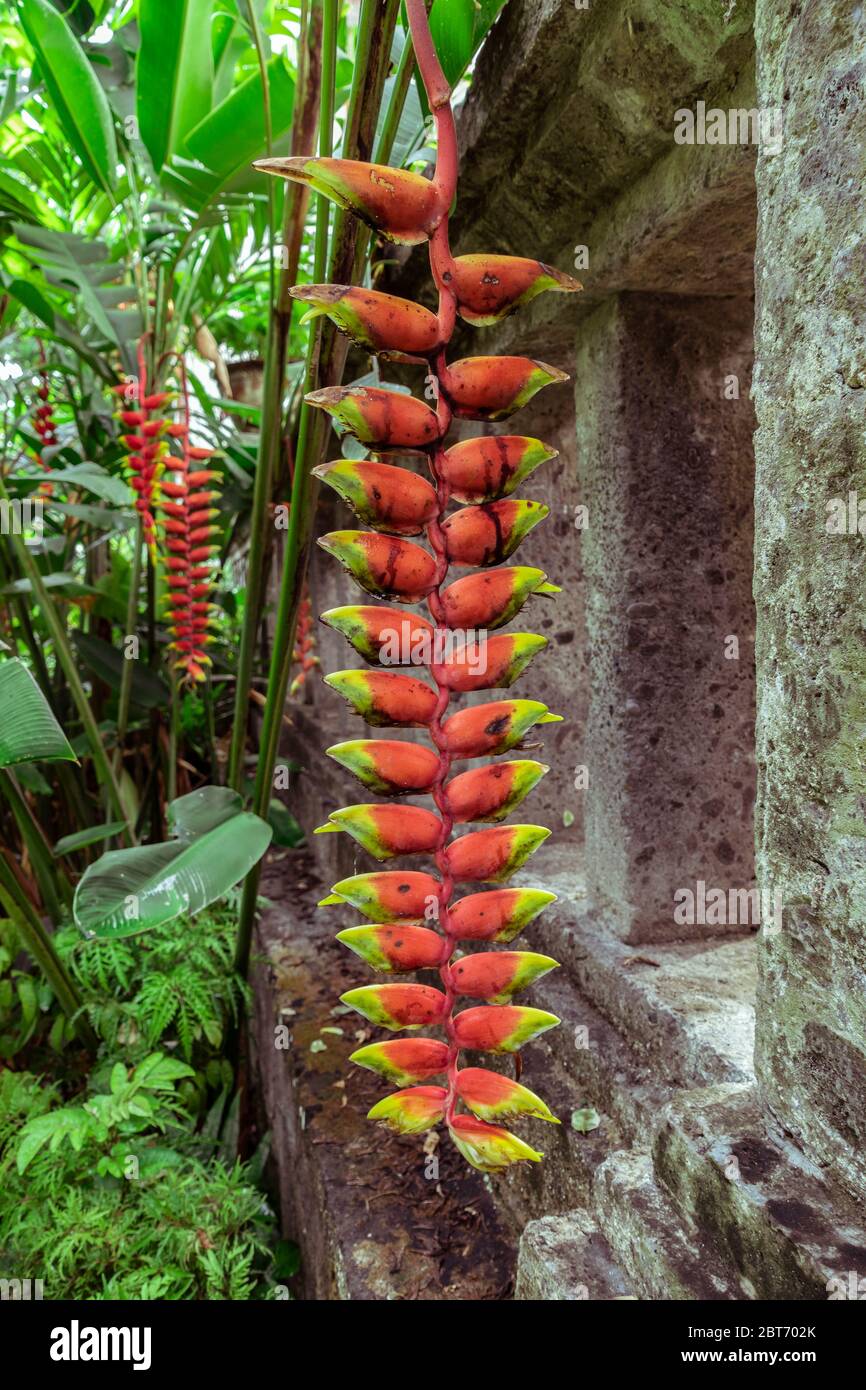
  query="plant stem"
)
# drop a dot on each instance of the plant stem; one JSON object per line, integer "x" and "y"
{"x": 39, "y": 945}
{"x": 298, "y": 524}
{"x": 279, "y": 323}
{"x": 131, "y": 628}
{"x": 391, "y": 124}
{"x": 54, "y": 886}
{"x": 171, "y": 791}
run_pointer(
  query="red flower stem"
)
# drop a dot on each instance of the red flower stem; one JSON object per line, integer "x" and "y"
{"x": 442, "y": 269}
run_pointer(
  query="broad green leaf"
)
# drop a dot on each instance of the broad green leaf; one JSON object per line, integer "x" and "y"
{"x": 287, "y": 833}
{"x": 107, "y": 662}
{"x": 202, "y": 810}
{"x": 75, "y": 93}
{"x": 66, "y": 584}
{"x": 174, "y": 73}
{"x": 91, "y": 836}
{"x": 459, "y": 27}
{"x": 28, "y": 730}
{"x": 232, "y": 135}
{"x": 88, "y": 476}
{"x": 132, "y": 890}
{"x": 101, "y": 518}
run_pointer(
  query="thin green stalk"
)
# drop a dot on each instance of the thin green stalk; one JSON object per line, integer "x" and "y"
{"x": 279, "y": 323}
{"x": 54, "y": 886}
{"x": 399, "y": 92}
{"x": 173, "y": 738}
{"x": 375, "y": 31}
{"x": 131, "y": 628}
{"x": 66, "y": 660}
{"x": 210, "y": 726}
{"x": 39, "y": 945}
{"x": 298, "y": 526}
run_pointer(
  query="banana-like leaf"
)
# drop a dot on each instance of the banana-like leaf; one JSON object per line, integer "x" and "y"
{"x": 202, "y": 810}
{"x": 133, "y": 890}
{"x": 174, "y": 73}
{"x": 28, "y": 730}
{"x": 89, "y": 476}
{"x": 81, "y": 105}
{"x": 68, "y": 259}
{"x": 230, "y": 137}
{"x": 91, "y": 836}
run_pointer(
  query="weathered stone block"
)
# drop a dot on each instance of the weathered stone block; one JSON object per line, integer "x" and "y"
{"x": 810, "y": 580}
{"x": 565, "y": 1258}
{"x": 664, "y": 442}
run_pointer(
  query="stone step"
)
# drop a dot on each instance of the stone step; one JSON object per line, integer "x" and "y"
{"x": 770, "y": 1214}
{"x": 567, "y": 1258}
{"x": 663, "y": 1257}
{"x": 581, "y": 1064}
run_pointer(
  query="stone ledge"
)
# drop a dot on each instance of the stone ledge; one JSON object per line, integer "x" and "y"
{"x": 756, "y": 1197}
{"x": 663, "y": 1257}
{"x": 685, "y": 1008}
{"x": 567, "y": 1258}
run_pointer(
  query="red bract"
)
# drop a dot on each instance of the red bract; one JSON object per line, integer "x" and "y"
{"x": 415, "y": 923}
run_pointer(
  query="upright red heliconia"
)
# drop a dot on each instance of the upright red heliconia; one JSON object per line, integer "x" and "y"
{"x": 414, "y": 924}
{"x": 144, "y": 427}
{"x": 187, "y": 510}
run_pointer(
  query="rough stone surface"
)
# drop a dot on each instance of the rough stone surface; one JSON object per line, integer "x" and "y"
{"x": 809, "y": 584}
{"x": 686, "y": 1008}
{"x": 764, "y": 1208}
{"x": 665, "y": 1258}
{"x": 666, "y": 475}
{"x": 566, "y": 1258}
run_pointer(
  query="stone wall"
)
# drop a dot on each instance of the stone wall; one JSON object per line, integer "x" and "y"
{"x": 809, "y": 582}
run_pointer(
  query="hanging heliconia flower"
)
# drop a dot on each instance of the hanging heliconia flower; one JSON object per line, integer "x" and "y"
{"x": 187, "y": 511}
{"x": 415, "y": 925}
{"x": 144, "y": 427}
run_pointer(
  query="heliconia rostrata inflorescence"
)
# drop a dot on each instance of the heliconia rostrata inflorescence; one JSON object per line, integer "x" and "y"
{"x": 183, "y": 539}
{"x": 398, "y": 504}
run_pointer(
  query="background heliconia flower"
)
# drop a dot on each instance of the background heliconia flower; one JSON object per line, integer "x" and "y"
{"x": 187, "y": 512}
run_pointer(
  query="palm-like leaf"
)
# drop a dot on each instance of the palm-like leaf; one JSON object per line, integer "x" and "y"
{"x": 133, "y": 890}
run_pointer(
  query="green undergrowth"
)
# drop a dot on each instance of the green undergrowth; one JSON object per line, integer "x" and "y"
{"x": 115, "y": 1180}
